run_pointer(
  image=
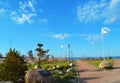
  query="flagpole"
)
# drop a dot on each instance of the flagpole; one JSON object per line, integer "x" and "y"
{"x": 103, "y": 53}
{"x": 105, "y": 30}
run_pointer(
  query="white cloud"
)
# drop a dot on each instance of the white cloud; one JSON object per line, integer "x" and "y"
{"x": 27, "y": 13}
{"x": 27, "y": 5}
{"x": 114, "y": 3}
{"x": 44, "y": 20}
{"x": 30, "y": 4}
{"x": 61, "y": 36}
{"x": 92, "y": 38}
{"x": 2, "y": 11}
{"x": 23, "y": 18}
{"x": 89, "y": 12}
{"x": 108, "y": 11}
{"x": 112, "y": 12}
{"x": 63, "y": 46}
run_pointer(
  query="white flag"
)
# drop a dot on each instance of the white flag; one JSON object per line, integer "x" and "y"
{"x": 105, "y": 30}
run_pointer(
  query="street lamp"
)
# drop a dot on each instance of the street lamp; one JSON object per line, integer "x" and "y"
{"x": 69, "y": 51}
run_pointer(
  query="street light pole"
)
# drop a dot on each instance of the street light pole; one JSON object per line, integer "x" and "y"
{"x": 69, "y": 51}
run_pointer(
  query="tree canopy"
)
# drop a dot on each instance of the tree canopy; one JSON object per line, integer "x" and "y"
{"x": 13, "y": 67}
{"x": 41, "y": 53}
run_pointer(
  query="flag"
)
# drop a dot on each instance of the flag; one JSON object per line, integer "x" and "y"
{"x": 105, "y": 30}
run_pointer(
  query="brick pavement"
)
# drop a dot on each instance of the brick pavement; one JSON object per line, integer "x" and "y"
{"x": 91, "y": 74}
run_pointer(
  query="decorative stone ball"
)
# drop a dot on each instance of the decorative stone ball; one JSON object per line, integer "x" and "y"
{"x": 70, "y": 69}
{"x": 37, "y": 66}
{"x": 53, "y": 67}
{"x": 105, "y": 65}
{"x": 57, "y": 66}
{"x": 71, "y": 64}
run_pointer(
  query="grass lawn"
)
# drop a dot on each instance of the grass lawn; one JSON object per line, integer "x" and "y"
{"x": 96, "y": 62}
{"x": 64, "y": 64}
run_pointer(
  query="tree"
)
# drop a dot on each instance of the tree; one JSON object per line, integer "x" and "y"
{"x": 1, "y": 55}
{"x": 30, "y": 53}
{"x": 40, "y": 45}
{"x": 41, "y": 52}
{"x": 13, "y": 67}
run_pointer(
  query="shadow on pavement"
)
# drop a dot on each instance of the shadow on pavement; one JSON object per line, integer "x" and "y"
{"x": 88, "y": 70}
{"x": 116, "y": 67}
{"x": 85, "y": 79}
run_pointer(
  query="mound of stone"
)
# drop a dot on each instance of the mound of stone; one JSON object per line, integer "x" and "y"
{"x": 39, "y": 76}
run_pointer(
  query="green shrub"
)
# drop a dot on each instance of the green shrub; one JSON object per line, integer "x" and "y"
{"x": 70, "y": 75}
{"x": 31, "y": 66}
{"x": 61, "y": 67}
{"x": 66, "y": 67}
{"x": 13, "y": 67}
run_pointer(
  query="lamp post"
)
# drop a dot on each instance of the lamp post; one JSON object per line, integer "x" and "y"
{"x": 69, "y": 51}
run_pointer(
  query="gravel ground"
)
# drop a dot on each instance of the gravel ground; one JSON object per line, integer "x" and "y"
{"x": 91, "y": 74}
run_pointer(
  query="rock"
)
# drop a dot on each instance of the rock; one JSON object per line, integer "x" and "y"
{"x": 105, "y": 65}
{"x": 70, "y": 69}
{"x": 54, "y": 67}
{"x": 37, "y": 66}
{"x": 58, "y": 66}
{"x": 6, "y": 82}
{"x": 39, "y": 76}
{"x": 71, "y": 64}
{"x": 61, "y": 73}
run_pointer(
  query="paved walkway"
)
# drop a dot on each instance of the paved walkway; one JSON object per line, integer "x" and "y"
{"x": 91, "y": 74}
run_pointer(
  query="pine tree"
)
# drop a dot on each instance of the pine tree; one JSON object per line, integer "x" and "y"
{"x": 41, "y": 52}
{"x": 14, "y": 67}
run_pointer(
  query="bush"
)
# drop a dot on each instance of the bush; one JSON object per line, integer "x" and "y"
{"x": 14, "y": 67}
{"x": 70, "y": 75}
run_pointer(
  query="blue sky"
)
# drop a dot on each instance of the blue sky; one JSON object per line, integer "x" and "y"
{"x": 57, "y": 23}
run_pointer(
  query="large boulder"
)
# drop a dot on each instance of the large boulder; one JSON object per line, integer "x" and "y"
{"x": 39, "y": 76}
{"x": 105, "y": 65}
